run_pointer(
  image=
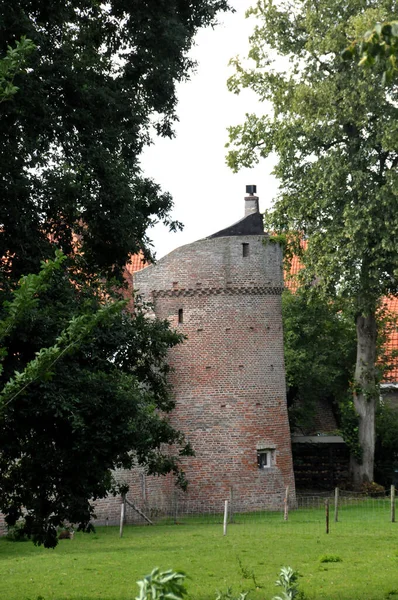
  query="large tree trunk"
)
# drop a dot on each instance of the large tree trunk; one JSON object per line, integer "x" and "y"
{"x": 365, "y": 396}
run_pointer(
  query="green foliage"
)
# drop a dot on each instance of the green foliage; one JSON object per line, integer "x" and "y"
{"x": 68, "y": 341}
{"x": 247, "y": 573}
{"x": 162, "y": 585}
{"x": 288, "y": 581}
{"x": 377, "y": 46}
{"x": 25, "y": 297}
{"x": 100, "y": 84}
{"x": 12, "y": 64}
{"x": 335, "y": 132}
{"x": 319, "y": 344}
{"x": 277, "y": 239}
{"x": 93, "y": 400}
{"x": 83, "y": 386}
{"x": 330, "y": 558}
{"x": 349, "y": 428}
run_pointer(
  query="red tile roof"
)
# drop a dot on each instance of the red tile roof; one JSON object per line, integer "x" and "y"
{"x": 290, "y": 280}
{"x": 136, "y": 263}
{"x": 391, "y": 345}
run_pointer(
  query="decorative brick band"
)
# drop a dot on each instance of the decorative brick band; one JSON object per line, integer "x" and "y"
{"x": 230, "y": 291}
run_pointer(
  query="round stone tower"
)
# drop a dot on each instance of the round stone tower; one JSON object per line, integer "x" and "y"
{"x": 224, "y": 293}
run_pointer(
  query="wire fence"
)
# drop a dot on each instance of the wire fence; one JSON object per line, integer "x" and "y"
{"x": 321, "y": 511}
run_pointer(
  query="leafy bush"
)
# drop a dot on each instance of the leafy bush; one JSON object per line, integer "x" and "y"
{"x": 329, "y": 558}
{"x": 169, "y": 585}
{"x": 165, "y": 585}
{"x": 288, "y": 580}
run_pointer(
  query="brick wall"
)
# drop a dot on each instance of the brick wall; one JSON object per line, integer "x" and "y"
{"x": 229, "y": 377}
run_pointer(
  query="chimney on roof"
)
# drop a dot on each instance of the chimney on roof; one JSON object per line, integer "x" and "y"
{"x": 251, "y": 201}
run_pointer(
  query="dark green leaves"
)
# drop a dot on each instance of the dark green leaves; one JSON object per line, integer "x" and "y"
{"x": 83, "y": 391}
{"x": 100, "y": 77}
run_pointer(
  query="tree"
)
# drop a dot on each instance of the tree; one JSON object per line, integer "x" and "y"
{"x": 83, "y": 385}
{"x": 334, "y": 129}
{"x": 93, "y": 401}
{"x": 101, "y": 80}
{"x": 319, "y": 346}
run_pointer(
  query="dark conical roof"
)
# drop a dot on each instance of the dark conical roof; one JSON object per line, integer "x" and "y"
{"x": 250, "y": 225}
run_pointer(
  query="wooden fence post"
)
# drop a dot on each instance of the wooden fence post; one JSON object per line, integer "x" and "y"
{"x": 286, "y": 503}
{"x": 327, "y": 514}
{"x": 122, "y": 511}
{"x": 225, "y": 516}
{"x": 336, "y": 504}
{"x": 393, "y": 504}
{"x": 175, "y": 507}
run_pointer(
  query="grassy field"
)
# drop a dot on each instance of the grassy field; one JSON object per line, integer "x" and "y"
{"x": 103, "y": 566}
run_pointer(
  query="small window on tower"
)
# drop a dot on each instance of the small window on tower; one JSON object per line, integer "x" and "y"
{"x": 245, "y": 250}
{"x": 180, "y": 316}
{"x": 264, "y": 459}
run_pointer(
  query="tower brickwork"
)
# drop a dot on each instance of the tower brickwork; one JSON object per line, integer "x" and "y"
{"x": 224, "y": 294}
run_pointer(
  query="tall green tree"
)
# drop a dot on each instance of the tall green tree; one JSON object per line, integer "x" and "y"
{"x": 101, "y": 81}
{"x": 82, "y": 393}
{"x": 334, "y": 129}
{"x": 83, "y": 385}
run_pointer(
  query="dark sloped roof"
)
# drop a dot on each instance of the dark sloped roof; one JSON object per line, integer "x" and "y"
{"x": 250, "y": 225}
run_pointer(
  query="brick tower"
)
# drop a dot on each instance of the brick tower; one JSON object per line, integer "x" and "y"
{"x": 224, "y": 293}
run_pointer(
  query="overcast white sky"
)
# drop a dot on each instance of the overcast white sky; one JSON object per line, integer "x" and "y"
{"x": 207, "y": 195}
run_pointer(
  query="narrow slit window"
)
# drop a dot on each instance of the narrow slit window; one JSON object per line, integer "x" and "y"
{"x": 245, "y": 250}
{"x": 180, "y": 316}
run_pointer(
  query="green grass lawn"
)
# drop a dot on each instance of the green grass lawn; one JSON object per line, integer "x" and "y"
{"x": 103, "y": 566}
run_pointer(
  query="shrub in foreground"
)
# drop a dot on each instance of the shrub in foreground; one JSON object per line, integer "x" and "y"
{"x": 169, "y": 585}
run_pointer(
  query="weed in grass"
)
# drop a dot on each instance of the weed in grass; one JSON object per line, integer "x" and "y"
{"x": 391, "y": 594}
{"x": 288, "y": 581}
{"x": 330, "y": 558}
{"x": 247, "y": 573}
{"x": 228, "y": 595}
